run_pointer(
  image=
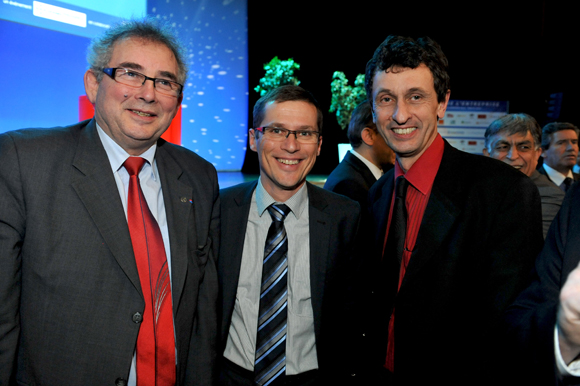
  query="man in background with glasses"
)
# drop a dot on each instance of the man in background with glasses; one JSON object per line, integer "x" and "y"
{"x": 286, "y": 256}
{"x": 107, "y": 233}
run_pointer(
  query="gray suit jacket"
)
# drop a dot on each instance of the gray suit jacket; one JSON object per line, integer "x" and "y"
{"x": 333, "y": 227}
{"x": 550, "y": 195}
{"x": 69, "y": 285}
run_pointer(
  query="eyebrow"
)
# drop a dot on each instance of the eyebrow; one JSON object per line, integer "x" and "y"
{"x": 283, "y": 126}
{"x": 412, "y": 90}
{"x": 137, "y": 66}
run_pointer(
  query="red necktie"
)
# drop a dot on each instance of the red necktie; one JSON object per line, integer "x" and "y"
{"x": 156, "y": 342}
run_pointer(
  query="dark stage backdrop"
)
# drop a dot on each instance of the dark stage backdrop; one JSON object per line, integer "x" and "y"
{"x": 496, "y": 51}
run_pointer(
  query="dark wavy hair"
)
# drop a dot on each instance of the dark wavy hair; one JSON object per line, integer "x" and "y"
{"x": 405, "y": 52}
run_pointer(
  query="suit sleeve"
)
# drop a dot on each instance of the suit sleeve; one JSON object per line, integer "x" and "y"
{"x": 12, "y": 228}
{"x": 202, "y": 361}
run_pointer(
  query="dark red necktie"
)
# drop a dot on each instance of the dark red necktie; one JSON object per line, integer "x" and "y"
{"x": 156, "y": 342}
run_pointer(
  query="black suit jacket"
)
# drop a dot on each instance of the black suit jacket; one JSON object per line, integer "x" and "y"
{"x": 69, "y": 284}
{"x": 532, "y": 318}
{"x": 333, "y": 227}
{"x": 480, "y": 233}
{"x": 351, "y": 178}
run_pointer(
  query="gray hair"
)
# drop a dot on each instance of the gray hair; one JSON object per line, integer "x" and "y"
{"x": 511, "y": 124}
{"x": 101, "y": 48}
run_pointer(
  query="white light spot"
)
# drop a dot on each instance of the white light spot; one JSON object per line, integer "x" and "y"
{"x": 210, "y": 76}
{"x": 215, "y": 140}
{"x": 222, "y": 72}
{"x": 239, "y": 76}
{"x": 183, "y": 106}
{"x": 200, "y": 104}
{"x": 220, "y": 88}
{"x": 200, "y": 93}
{"x": 227, "y": 110}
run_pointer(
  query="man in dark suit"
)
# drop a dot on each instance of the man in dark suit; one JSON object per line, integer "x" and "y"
{"x": 560, "y": 152}
{"x": 454, "y": 244}
{"x": 369, "y": 158}
{"x": 515, "y": 140}
{"x": 305, "y": 332}
{"x": 544, "y": 320}
{"x": 75, "y": 261}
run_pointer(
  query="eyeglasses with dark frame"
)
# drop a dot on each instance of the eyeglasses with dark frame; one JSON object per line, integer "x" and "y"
{"x": 135, "y": 79}
{"x": 280, "y": 134}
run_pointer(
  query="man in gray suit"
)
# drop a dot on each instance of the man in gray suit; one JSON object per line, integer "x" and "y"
{"x": 78, "y": 281}
{"x": 515, "y": 140}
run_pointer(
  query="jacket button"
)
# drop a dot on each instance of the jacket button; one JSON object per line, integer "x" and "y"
{"x": 120, "y": 382}
{"x": 137, "y": 318}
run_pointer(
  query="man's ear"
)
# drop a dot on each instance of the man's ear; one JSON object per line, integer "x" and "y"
{"x": 91, "y": 86}
{"x": 485, "y": 152}
{"x": 368, "y": 136}
{"x": 252, "y": 139}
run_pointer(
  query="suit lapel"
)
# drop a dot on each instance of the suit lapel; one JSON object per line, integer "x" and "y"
{"x": 97, "y": 189}
{"x": 319, "y": 223}
{"x": 381, "y": 208}
{"x": 179, "y": 203}
{"x": 440, "y": 214}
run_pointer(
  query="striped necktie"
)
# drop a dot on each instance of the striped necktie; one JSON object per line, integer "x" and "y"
{"x": 270, "y": 360}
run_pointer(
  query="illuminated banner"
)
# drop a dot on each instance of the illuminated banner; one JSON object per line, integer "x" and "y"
{"x": 464, "y": 123}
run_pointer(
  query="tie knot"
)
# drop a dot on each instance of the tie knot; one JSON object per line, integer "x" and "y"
{"x": 278, "y": 212}
{"x": 133, "y": 165}
{"x": 401, "y": 188}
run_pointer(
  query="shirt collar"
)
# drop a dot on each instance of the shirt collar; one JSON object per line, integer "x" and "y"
{"x": 555, "y": 175}
{"x": 377, "y": 172}
{"x": 117, "y": 155}
{"x": 422, "y": 174}
{"x": 296, "y": 203}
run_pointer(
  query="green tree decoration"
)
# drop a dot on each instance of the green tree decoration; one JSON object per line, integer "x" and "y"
{"x": 345, "y": 97}
{"x": 278, "y": 73}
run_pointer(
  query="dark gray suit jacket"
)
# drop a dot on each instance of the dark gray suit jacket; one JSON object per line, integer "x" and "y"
{"x": 351, "y": 178}
{"x": 476, "y": 245}
{"x": 550, "y": 195}
{"x": 69, "y": 285}
{"x": 333, "y": 227}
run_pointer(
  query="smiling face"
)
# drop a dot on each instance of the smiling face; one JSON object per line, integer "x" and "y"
{"x": 517, "y": 150}
{"x": 563, "y": 151}
{"x": 406, "y": 111}
{"x": 284, "y": 165}
{"x": 135, "y": 118}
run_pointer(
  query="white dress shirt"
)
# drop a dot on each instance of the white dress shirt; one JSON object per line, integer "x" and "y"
{"x": 151, "y": 187}
{"x": 300, "y": 341}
